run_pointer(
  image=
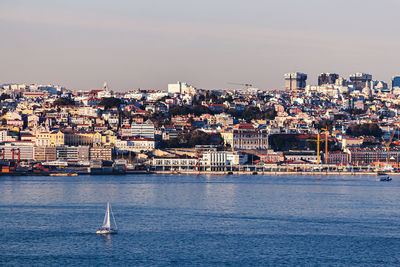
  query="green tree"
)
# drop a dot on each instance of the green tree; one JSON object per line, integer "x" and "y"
{"x": 365, "y": 129}
{"x": 189, "y": 140}
{"x": 63, "y": 101}
{"x": 324, "y": 124}
{"x": 110, "y": 102}
{"x": 5, "y": 96}
{"x": 178, "y": 110}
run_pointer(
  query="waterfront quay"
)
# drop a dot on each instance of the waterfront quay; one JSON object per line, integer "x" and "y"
{"x": 266, "y": 169}
{"x": 118, "y": 169}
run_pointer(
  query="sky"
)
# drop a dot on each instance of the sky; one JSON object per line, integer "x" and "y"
{"x": 147, "y": 44}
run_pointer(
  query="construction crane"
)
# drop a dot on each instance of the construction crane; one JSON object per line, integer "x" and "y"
{"x": 326, "y": 144}
{"x": 316, "y": 140}
{"x": 388, "y": 143}
{"x": 247, "y": 85}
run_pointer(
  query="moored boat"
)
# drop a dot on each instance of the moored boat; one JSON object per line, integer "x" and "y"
{"x": 63, "y": 174}
{"x": 385, "y": 179}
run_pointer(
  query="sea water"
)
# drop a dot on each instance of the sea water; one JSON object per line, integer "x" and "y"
{"x": 201, "y": 220}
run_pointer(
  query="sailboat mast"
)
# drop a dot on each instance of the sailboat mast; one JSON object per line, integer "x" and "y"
{"x": 108, "y": 215}
{"x": 112, "y": 213}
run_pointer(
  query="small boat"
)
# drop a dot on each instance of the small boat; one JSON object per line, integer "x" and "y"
{"x": 106, "y": 227}
{"x": 63, "y": 174}
{"x": 385, "y": 179}
{"x": 381, "y": 173}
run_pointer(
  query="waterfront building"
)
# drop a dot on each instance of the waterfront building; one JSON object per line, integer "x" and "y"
{"x": 10, "y": 150}
{"x": 305, "y": 156}
{"x": 338, "y": 158}
{"x": 210, "y": 161}
{"x": 295, "y": 81}
{"x": 175, "y": 164}
{"x": 100, "y": 153}
{"x": 271, "y": 156}
{"x": 73, "y": 153}
{"x": 245, "y": 136}
{"x": 45, "y": 153}
{"x": 223, "y": 158}
{"x": 366, "y": 156}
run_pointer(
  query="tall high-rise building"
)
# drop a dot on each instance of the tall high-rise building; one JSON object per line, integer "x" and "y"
{"x": 327, "y": 78}
{"x": 361, "y": 80}
{"x": 295, "y": 81}
{"x": 395, "y": 81}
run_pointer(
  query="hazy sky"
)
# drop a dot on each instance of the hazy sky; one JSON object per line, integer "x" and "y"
{"x": 148, "y": 44}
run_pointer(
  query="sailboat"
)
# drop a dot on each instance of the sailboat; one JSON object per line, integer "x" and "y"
{"x": 106, "y": 227}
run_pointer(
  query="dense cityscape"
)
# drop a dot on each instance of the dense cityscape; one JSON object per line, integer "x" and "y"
{"x": 340, "y": 124}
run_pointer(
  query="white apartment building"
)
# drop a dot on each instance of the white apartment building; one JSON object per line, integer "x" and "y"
{"x": 88, "y": 111}
{"x": 181, "y": 88}
{"x": 72, "y": 153}
{"x": 145, "y": 130}
{"x": 135, "y": 144}
{"x": 24, "y": 148}
{"x": 223, "y": 158}
{"x": 155, "y": 96}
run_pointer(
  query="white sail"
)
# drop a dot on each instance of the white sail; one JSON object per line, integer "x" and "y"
{"x": 107, "y": 222}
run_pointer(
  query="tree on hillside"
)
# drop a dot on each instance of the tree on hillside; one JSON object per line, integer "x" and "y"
{"x": 185, "y": 110}
{"x": 63, "y": 101}
{"x": 178, "y": 110}
{"x": 323, "y": 124}
{"x": 5, "y": 96}
{"x": 365, "y": 129}
{"x": 253, "y": 113}
{"x": 110, "y": 102}
{"x": 191, "y": 140}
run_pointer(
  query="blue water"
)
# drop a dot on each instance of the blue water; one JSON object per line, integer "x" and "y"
{"x": 201, "y": 221}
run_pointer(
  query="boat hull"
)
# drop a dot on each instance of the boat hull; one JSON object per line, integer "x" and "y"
{"x": 106, "y": 231}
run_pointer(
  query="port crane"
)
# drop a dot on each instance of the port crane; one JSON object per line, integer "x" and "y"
{"x": 388, "y": 143}
{"x": 326, "y": 144}
{"x": 318, "y": 140}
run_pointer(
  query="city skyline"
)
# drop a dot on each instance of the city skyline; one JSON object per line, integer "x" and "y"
{"x": 148, "y": 45}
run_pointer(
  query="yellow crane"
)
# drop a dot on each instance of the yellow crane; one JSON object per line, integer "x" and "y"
{"x": 326, "y": 144}
{"x": 388, "y": 143}
{"x": 318, "y": 140}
